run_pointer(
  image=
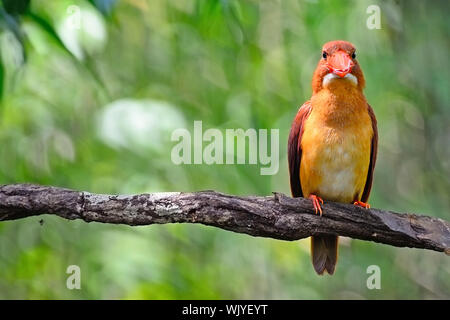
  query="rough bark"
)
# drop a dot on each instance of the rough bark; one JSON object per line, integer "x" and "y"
{"x": 276, "y": 216}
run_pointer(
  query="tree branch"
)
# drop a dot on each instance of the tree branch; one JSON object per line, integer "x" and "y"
{"x": 276, "y": 216}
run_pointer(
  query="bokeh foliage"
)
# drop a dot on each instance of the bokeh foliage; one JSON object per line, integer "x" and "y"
{"x": 93, "y": 108}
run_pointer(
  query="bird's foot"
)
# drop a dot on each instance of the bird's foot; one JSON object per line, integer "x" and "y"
{"x": 316, "y": 203}
{"x": 362, "y": 204}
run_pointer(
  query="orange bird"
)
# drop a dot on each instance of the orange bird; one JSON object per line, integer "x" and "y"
{"x": 332, "y": 145}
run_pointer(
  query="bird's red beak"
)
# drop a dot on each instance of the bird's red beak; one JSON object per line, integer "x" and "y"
{"x": 340, "y": 63}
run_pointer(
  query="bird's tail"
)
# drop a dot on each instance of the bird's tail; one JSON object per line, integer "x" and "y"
{"x": 324, "y": 253}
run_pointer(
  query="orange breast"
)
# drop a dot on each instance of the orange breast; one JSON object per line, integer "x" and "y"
{"x": 336, "y": 146}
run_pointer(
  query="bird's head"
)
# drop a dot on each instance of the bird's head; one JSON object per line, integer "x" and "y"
{"x": 338, "y": 65}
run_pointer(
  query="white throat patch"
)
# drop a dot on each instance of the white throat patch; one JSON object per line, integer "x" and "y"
{"x": 331, "y": 76}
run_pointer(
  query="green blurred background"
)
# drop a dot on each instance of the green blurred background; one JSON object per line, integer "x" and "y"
{"x": 93, "y": 109}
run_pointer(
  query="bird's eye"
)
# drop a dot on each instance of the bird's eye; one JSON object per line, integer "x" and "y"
{"x": 353, "y": 55}
{"x": 324, "y": 55}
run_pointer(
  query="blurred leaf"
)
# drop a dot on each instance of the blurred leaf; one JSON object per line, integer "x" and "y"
{"x": 233, "y": 11}
{"x": 48, "y": 28}
{"x": 16, "y": 7}
{"x": 12, "y": 24}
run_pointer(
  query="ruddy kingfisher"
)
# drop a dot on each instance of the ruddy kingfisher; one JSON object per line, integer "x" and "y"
{"x": 332, "y": 145}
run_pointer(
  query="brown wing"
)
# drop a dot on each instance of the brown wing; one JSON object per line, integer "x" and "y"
{"x": 295, "y": 150}
{"x": 373, "y": 156}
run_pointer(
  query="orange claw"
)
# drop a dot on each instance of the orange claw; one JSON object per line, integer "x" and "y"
{"x": 316, "y": 203}
{"x": 362, "y": 204}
